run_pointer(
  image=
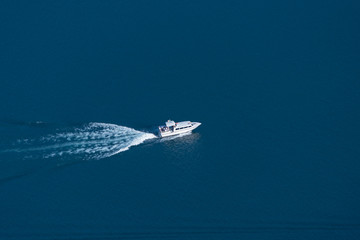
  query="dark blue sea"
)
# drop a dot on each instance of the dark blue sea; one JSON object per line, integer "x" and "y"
{"x": 84, "y": 85}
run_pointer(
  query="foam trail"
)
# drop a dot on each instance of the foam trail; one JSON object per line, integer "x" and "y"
{"x": 92, "y": 141}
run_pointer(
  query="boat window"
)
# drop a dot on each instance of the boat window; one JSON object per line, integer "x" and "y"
{"x": 182, "y": 127}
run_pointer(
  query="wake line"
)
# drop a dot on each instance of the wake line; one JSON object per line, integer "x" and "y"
{"x": 92, "y": 141}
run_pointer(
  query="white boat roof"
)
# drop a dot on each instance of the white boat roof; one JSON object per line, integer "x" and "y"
{"x": 170, "y": 123}
{"x": 183, "y": 124}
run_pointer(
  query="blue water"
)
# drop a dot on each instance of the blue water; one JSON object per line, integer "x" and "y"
{"x": 83, "y": 85}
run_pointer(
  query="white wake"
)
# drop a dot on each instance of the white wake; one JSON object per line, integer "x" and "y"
{"x": 92, "y": 141}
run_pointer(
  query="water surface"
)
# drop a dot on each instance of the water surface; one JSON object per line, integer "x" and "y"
{"x": 84, "y": 85}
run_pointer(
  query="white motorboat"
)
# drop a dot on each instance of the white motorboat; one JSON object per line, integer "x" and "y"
{"x": 172, "y": 128}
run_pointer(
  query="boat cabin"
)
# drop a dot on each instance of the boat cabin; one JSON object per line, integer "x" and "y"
{"x": 183, "y": 125}
{"x": 169, "y": 126}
